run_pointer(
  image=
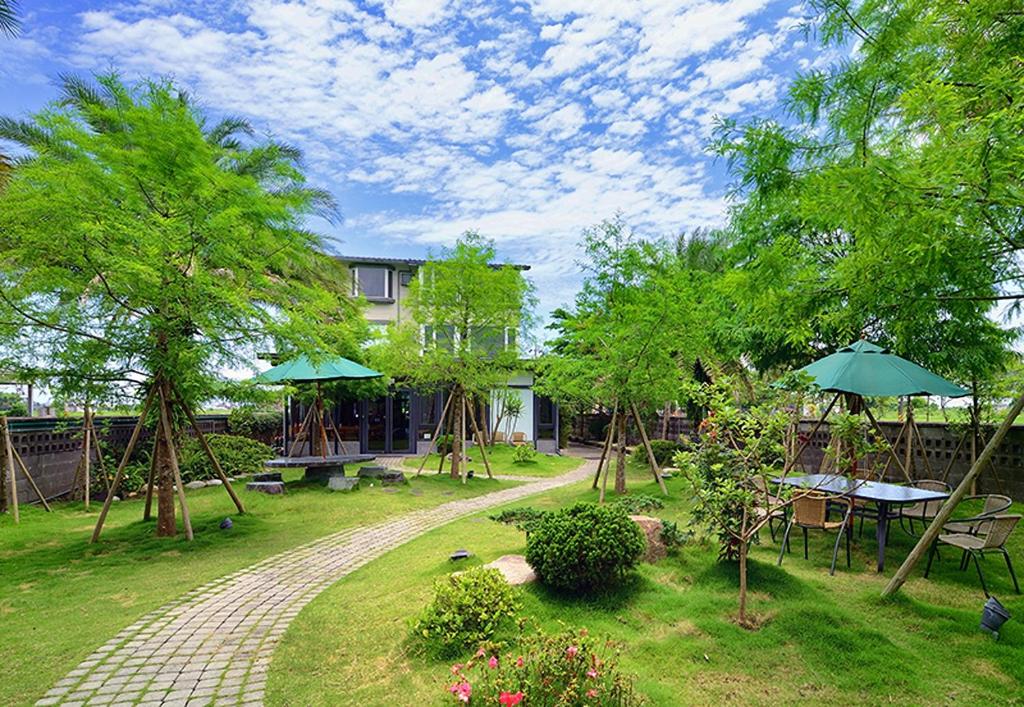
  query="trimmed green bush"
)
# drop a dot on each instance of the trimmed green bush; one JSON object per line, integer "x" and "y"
{"x": 237, "y": 455}
{"x": 468, "y": 608}
{"x": 522, "y": 518}
{"x": 638, "y": 503}
{"x": 255, "y": 422}
{"x": 524, "y": 454}
{"x": 584, "y": 547}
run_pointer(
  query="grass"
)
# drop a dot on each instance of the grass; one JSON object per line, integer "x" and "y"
{"x": 500, "y": 456}
{"x": 822, "y": 639}
{"x": 61, "y": 597}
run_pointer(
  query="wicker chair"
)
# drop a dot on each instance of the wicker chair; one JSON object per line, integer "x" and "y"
{"x": 978, "y": 525}
{"x": 499, "y": 437}
{"x": 810, "y": 512}
{"x": 519, "y": 439}
{"x": 924, "y": 511}
{"x": 999, "y": 528}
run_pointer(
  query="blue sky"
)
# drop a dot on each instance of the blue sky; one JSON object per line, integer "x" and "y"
{"x": 527, "y": 121}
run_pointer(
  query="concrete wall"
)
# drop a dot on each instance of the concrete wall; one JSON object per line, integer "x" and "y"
{"x": 51, "y": 448}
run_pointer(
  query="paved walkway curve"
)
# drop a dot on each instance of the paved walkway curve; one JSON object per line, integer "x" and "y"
{"x": 213, "y": 645}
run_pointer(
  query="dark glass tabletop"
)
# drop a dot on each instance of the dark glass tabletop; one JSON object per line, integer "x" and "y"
{"x": 877, "y": 491}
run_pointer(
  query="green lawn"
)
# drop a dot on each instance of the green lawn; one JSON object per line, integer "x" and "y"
{"x": 500, "y": 457}
{"x": 60, "y": 597}
{"x": 824, "y": 639}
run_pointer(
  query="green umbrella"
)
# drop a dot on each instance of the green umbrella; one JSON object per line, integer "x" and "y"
{"x": 871, "y": 371}
{"x": 302, "y": 370}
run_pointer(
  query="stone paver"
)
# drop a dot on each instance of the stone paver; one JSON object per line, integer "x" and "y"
{"x": 213, "y": 645}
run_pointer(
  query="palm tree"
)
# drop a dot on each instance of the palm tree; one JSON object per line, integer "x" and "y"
{"x": 8, "y": 18}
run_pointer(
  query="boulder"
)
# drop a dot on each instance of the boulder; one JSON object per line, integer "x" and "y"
{"x": 342, "y": 483}
{"x": 214, "y": 482}
{"x": 274, "y": 488}
{"x": 195, "y": 485}
{"x": 514, "y": 569}
{"x": 652, "y": 531}
{"x": 268, "y": 476}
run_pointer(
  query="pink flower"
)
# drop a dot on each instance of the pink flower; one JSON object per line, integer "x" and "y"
{"x": 461, "y": 690}
{"x": 493, "y": 662}
{"x": 519, "y": 662}
{"x": 591, "y": 692}
{"x": 510, "y": 698}
{"x": 591, "y": 673}
{"x": 571, "y": 652}
{"x": 480, "y": 653}
{"x": 456, "y": 668}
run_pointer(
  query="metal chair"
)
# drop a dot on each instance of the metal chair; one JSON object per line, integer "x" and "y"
{"x": 978, "y": 525}
{"x": 1000, "y": 527}
{"x": 924, "y": 511}
{"x": 810, "y": 512}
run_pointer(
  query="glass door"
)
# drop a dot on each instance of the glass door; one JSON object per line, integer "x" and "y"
{"x": 401, "y": 409}
{"x": 377, "y": 425}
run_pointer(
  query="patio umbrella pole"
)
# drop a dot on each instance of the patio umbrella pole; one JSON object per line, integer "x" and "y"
{"x": 947, "y": 508}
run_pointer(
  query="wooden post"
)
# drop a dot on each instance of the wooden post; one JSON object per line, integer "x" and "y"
{"x": 31, "y": 481}
{"x": 975, "y": 429}
{"x": 124, "y": 462}
{"x": 952, "y": 459}
{"x": 209, "y": 452}
{"x": 12, "y": 483}
{"x": 303, "y": 430}
{"x": 655, "y": 469}
{"x": 480, "y": 440}
{"x": 165, "y": 421}
{"x": 86, "y": 454}
{"x": 946, "y": 510}
{"x": 908, "y": 458}
{"x": 889, "y": 448}
{"x": 433, "y": 438}
{"x": 924, "y": 452}
{"x": 148, "y": 512}
{"x": 607, "y": 443}
{"x": 620, "y": 459}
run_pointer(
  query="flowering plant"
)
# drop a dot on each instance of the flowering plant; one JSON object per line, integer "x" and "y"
{"x": 569, "y": 669}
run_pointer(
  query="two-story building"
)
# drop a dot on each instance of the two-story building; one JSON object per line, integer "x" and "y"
{"x": 403, "y": 421}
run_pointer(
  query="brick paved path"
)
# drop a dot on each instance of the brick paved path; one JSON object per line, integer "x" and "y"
{"x": 213, "y": 645}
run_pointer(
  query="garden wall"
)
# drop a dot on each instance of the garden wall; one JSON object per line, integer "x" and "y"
{"x": 51, "y": 448}
{"x": 940, "y": 443}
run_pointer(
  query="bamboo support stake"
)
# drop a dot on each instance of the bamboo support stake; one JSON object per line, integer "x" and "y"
{"x": 946, "y": 510}
{"x": 9, "y": 466}
{"x": 31, "y": 481}
{"x": 810, "y": 436}
{"x": 924, "y": 452}
{"x": 952, "y": 458}
{"x": 480, "y": 440}
{"x": 607, "y": 444}
{"x": 888, "y": 446}
{"x": 209, "y": 452}
{"x": 165, "y": 421}
{"x": 908, "y": 450}
{"x": 463, "y": 466}
{"x": 86, "y": 454}
{"x": 437, "y": 431}
{"x": 303, "y": 430}
{"x": 449, "y": 432}
{"x": 148, "y": 512}
{"x": 655, "y": 469}
{"x": 124, "y": 462}
{"x": 608, "y": 466}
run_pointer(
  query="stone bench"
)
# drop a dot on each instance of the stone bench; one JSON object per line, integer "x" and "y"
{"x": 319, "y": 468}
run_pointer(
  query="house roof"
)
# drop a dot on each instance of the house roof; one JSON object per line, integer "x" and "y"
{"x": 414, "y": 262}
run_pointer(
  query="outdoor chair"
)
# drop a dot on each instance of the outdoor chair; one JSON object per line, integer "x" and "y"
{"x": 925, "y": 511}
{"x": 519, "y": 439}
{"x": 767, "y": 504}
{"x": 979, "y": 524}
{"x": 973, "y": 546}
{"x": 810, "y": 512}
{"x": 499, "y": 437}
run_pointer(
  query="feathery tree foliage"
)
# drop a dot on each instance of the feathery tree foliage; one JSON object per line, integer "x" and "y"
{"x": 891, "y": 206}
{"x": 143, "y": 248}
{"x": 633, "y": 334}
{"x": 467, "y": 316}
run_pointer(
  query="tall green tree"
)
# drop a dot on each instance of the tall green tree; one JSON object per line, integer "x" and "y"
{"x": 889, "y": 203}
{"x": 144, "y": 250}
{"x": 468, "y": 316}
{"x": 632, "y": 335}
{"x": 9, "y": 24}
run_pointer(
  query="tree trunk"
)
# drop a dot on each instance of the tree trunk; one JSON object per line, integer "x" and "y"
{"x": 459, "y": 407}
{"x": 664, "y": 420}
{"x": 743, "y": 583}
{"x": 620, "y": 462}
{"x": 166, "y": 524}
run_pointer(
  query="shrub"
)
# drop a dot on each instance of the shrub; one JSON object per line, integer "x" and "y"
{"x": 524, "y": 454}
{"x": 672, "y": 536}
{"x": 524, "y": 518}
{"x": 467, "y": 609}
{"x": 570, "y": 669}
{"x": 584, "y": 547}
{"x": 254, "y": 422}
{"x": 638, "y": 503}
{"x": 664, "y": 450}
{"x": 237, "y": 455}
{"x": 444, "y": 444}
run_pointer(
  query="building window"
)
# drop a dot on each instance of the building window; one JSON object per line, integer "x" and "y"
{"x": 374, "y": 283}
{"x": 404, "y": 278}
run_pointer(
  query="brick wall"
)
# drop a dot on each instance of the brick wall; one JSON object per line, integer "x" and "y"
{"x": 51, "y": 448}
